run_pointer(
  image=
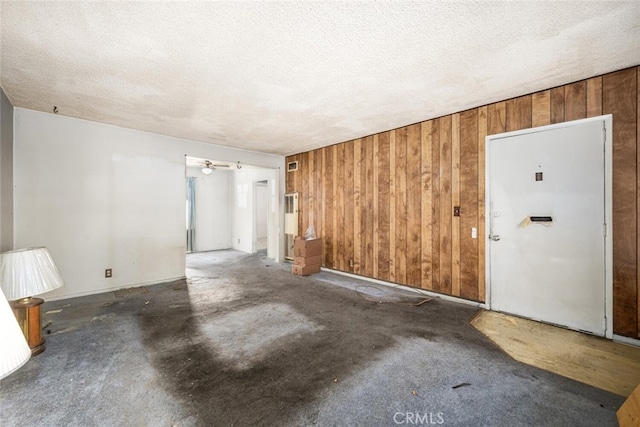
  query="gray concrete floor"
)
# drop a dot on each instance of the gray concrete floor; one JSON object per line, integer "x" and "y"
{"x": 243, "y": 342}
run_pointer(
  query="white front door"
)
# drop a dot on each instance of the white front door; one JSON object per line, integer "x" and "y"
{"x": 546, "y": 222}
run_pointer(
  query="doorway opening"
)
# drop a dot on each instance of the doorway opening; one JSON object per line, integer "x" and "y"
{"x": 208, "y": 205}
{"x": 232, "y": 206}
{"x": 261, "y": 216}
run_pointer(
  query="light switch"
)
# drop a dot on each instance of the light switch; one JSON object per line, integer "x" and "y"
{"x": 474, "y": 233}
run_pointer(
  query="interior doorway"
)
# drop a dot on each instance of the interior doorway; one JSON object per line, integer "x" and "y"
{"x": 236, "y": 207}
{"x": 549, "y": 221}
{"x": 208, "y": 204}
{"x": 261, "y": 216}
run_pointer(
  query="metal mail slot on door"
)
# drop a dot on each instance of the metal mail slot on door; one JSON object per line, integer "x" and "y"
{"x": 541, "y": 219}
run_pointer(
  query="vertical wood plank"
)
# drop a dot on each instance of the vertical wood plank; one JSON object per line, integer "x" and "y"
{"x": 594, "y": 97}
{"x": 575, "y": 103}
{"x": 541, "y": 108}
{"x": 319, "y": 159}
{"x": 376, "y": 209}
{"x": 384, "y": 203}
{"x": 414, "y": 205}
{"x": 347, "y": 263}
{"x": 303, "y": 197}
{"x": 426, "y": 202}
{"x": 455, "y": 201}
{"x": 637, "y": 202}
{"x": 392, "y": 204}
{"x": 620, "y": 99}
{"x": 337, "y": 205}
{"x": 312, "y": 188}
{"x": 319, "y": 192}
{"x": 557, "y": 105}
{"x": 339, "y": 176}
{"x": 469, "y": 204}
{"x": 435, "y": 205}
{"x": 496, "y": 118}
{"x": 445, "y": 205}
{"x": 518, "y": 113}
{"x": 482, "y": 234}
{"x": 329, "y": 203}
{"x": 359, "y": 195}
{"x": 370, "y": 202}
{"x": 296, "y": 175}
{"x": 400, "y": 217}
{"x": 297, "y": 189}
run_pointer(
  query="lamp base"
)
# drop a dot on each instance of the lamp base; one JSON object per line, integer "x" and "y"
{"x": 27, "y": 312}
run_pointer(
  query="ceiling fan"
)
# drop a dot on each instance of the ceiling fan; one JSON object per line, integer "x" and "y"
{"x": 209, "y": 167}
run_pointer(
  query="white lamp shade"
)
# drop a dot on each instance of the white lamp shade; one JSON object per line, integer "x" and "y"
{"x": 28, "y": 272}
{"x": 207, "y": 170}
{"x": 15, "y": 350}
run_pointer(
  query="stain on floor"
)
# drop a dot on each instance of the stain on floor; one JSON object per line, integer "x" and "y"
{"x": 240, "y": 343}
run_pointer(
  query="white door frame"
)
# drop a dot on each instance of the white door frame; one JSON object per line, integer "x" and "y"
{"x": 608, "y": 180}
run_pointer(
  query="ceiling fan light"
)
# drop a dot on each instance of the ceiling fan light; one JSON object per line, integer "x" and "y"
{"x": 207, "y": 169}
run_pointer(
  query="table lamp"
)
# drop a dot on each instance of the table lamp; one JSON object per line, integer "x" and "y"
{"x": 23, "y": 273}
{"x": 15, "y": 350}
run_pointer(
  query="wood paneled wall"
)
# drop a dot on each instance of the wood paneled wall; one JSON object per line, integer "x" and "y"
{"x": 384, "y": 203}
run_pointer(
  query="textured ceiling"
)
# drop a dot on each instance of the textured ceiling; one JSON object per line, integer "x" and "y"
{"x": 286, "y": 77}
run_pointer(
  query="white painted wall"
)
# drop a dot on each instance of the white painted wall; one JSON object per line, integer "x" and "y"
{"x": 243, "y": 199}
{"x": 6, "y": 173}
{"x": 213, "y": 220}
{"x": 101, "y": 196}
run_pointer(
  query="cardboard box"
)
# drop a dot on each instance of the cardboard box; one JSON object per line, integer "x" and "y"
{"x": 310, "y": 260}
{"x": 307, "y": 248}
{"x": 305, "y": 270}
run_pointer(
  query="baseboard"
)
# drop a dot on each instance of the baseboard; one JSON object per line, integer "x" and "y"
{"x": 408, "y": 288}
{"x": 626, "y": 340}
{"x": 112, "y": 289}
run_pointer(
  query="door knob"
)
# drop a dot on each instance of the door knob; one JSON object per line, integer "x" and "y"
{"x": 495, "y": 237}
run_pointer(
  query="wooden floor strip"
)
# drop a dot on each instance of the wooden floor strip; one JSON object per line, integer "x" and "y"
{"x": 602, "y": 363}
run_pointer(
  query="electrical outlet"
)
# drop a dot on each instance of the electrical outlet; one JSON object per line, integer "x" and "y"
{"x": 107, "y": 273}
{"x": 456, "y": 211}
{"x": 350, "y": 263}
{"x": 238, "y": 240}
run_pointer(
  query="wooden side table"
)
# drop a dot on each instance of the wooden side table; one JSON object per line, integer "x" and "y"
{"x": 27, "y": 312}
